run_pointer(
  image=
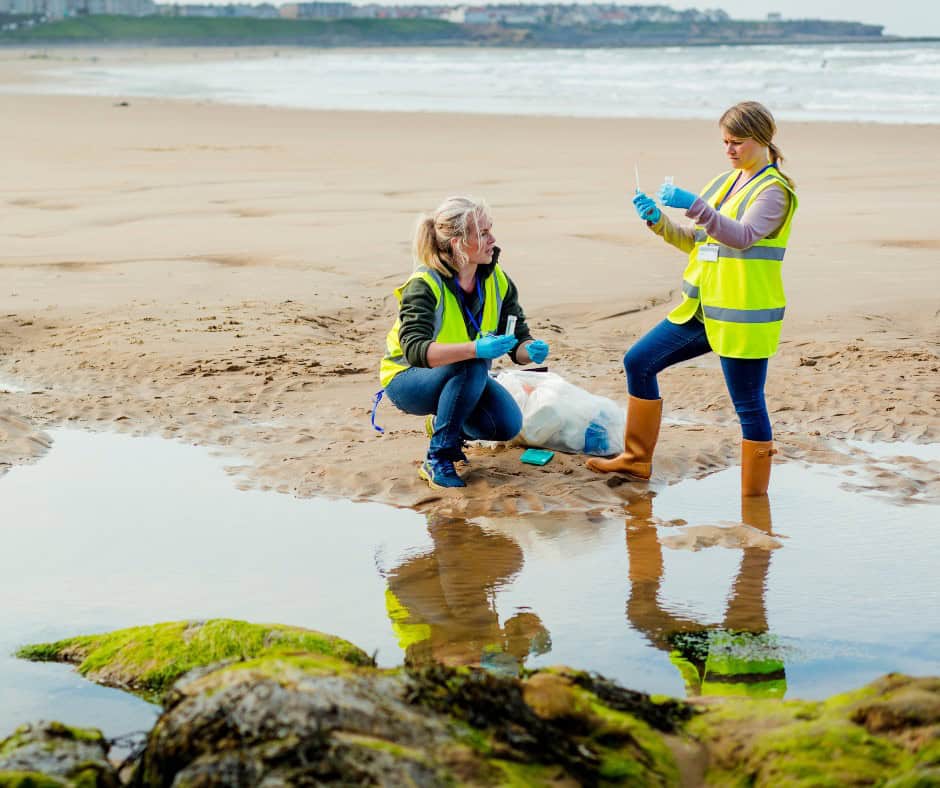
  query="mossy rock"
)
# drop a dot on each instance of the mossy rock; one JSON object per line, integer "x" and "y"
{"x": 147, "y": 660}
{"x": 919, "y": 778}
{"x": 291, "y": 706}
{"x": 30, "y": 780}
{"x": 53, "y": 755}
{"x": 574, "y": 725}
{"x": 295, "y": 719}
{"x": 887, "y": 733}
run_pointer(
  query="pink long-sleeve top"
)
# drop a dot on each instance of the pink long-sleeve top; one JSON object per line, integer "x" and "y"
{"x": 764, "y": 217}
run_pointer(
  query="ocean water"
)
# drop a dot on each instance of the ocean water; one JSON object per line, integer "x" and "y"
{"x": 889, "y": 83}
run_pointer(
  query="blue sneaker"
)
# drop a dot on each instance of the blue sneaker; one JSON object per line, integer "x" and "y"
{"x": 459, "y": 456}
{"x": 440, "y": 474}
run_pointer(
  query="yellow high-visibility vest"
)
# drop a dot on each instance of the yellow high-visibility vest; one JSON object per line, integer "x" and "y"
{"x": 407, "y": 633}
{"x": 449, "y": 326}
{"x": 740, "y": 290}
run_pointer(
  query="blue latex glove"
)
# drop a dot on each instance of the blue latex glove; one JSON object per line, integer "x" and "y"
{"x": 646, "y": 208}
{"x": 494, "y": 345}
{"x": 675, "y": 197}
{"x": 537, "y": 350}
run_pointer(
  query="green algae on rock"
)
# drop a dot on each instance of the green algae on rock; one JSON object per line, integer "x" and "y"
{"x": 32, "y": 780}
{"x": 564, "y": 720}
{"x": 53, "y": 755}
{"x": 290, "y": 719}
{"x": 284, "y": 706}
{"x": 147, "y": 660}
{"x": 887, "y": 733}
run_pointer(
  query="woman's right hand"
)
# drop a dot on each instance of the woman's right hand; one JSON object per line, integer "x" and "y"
{"x": 646, "y": 208}
{"x": 494, "y": 345}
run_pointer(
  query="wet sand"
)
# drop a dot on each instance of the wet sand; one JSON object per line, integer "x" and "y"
{"x": 223, "y": 275}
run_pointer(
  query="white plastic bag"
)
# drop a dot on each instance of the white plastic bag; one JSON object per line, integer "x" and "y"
{"x": 558, "y": 415}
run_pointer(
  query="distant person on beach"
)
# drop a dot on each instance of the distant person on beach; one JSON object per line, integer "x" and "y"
{"x": 732, "y": 294}
{"x": 452, "y": 323}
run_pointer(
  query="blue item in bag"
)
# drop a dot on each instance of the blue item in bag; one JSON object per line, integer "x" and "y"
{"x": 595, "y": 439}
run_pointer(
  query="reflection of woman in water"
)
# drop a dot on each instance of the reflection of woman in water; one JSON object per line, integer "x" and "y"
{"x": 735, "y": 657}
{"x": 442, "y": 603}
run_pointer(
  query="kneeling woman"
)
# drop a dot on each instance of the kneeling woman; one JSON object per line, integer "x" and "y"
{"x": 452, "y": 323}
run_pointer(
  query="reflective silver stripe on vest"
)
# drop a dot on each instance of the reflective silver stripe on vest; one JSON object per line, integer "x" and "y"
{"x": 719, "y": 182}
{"x": 744, "y": 315}
{"x": 754, "y": 253}
{"x": 689, "y": 289}
{"x": 747, "y": 195}
{"x": 700, "y": 235}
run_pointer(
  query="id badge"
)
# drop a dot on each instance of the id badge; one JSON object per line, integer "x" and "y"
{"x": 708, "y": 253}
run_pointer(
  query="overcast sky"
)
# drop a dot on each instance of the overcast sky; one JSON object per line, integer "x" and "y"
{"x": 900, "y": 17}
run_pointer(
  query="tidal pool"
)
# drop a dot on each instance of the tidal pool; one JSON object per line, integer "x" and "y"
{"x": 812, "y": 591}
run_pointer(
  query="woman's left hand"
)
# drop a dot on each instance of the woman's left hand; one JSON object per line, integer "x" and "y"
{"x": 675, "y": 197}
{"x": 537, "y": 350}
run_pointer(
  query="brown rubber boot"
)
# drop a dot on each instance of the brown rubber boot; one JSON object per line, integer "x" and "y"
{"x": 755, "y": 466}
{"x": 639, "y": 441}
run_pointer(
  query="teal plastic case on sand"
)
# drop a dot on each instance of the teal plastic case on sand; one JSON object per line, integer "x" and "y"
{"x": 536, "y": 456}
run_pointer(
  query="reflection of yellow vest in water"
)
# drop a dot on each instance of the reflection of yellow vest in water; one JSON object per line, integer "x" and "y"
{"x": 740, "y": 290}
{"x": 449, "y": 326}
{"x": 730, "y": 674}
{"x": 407, "y": 634}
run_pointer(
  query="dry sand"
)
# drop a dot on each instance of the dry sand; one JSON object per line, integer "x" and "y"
{"x": 222, "y": 275}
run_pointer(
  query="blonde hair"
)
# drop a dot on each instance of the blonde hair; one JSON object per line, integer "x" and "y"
{"x": 456, "y": 217}
{"x": 752, "y": 120}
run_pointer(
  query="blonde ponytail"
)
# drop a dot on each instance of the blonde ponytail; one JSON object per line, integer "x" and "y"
{"x": 424, "y": 245}
{"x": 776, "y": 156}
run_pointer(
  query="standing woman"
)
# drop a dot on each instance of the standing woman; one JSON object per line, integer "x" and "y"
{"x": 452, "y": 323}
{"x": 732, "y": 294}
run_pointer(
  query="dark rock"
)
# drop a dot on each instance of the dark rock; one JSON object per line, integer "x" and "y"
{"x": 52, "y": 754}
{"x": 302, "y": 720}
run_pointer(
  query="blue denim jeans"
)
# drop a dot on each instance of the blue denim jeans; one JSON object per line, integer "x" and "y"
{"x": 466, "y": 401}
{"x": 667, "y": 344}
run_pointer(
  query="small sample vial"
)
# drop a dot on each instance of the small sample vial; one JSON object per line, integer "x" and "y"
{"x": 669, "y": 181}
{"x": 511, "y": 325}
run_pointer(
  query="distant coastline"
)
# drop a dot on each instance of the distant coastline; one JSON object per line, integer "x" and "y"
{"x": 192, "y": 31}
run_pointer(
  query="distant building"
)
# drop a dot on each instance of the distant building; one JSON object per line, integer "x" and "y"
{"x": 117, "y": 7}
{"x": 317, "y": 10}
{"x": 774, "y": 16}
{"x": 232, "y": 10}
{"x": 59, "y": 9}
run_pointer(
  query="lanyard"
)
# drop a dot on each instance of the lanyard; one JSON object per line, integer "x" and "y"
{"x": 728, "y": 193}
{"x": 463, "y": 304}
